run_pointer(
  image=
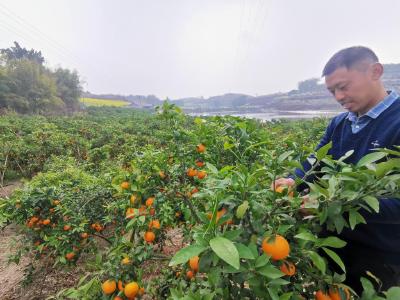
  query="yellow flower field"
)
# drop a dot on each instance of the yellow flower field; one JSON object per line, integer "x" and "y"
{"x": 103, "y": 102}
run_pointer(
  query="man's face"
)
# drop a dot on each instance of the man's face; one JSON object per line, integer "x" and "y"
{"x": 352, "y": 88}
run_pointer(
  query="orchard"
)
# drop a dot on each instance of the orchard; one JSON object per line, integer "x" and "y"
{"x": 111, "y": 185}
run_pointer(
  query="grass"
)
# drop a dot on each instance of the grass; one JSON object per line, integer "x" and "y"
{"x": 103, "y": 102}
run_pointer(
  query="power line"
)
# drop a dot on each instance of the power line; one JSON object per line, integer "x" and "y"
{"x": 43, "y": 38}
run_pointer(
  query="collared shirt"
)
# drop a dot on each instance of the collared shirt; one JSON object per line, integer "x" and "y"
{"x": 358, "y": 123}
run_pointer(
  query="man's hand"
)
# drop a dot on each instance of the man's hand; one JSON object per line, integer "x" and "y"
{"x": 282, "y": 182}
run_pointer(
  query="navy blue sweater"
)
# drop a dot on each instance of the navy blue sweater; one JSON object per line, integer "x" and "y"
{"x": 381, "y": 235}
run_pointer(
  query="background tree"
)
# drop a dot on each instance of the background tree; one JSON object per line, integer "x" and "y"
{"x": 27, "y": 86}
{"x": 68, "y": 88}
{"x": 17, "y": 53}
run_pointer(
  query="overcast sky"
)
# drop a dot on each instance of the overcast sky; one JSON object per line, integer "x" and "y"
{"x": 183, "y": 48}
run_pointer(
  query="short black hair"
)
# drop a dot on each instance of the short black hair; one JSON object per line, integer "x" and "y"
{"x": 348, "y": 57}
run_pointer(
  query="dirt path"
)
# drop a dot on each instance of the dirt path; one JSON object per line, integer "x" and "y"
{"x": 10, "y": 274}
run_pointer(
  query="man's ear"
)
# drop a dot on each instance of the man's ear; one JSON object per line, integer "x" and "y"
{"x": 376, "y": 71}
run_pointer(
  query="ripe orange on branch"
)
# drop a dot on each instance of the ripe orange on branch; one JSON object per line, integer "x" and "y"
{"x": 131, "y": 290}
{"x": 201, "y": 174}
{"x": 278, "y": 248}
{"x": 288, "y": 268}
{"x": 109, "y": 287}
{"x": 320, "y": 295}
{"x": 149, "y": 201}
{"x": 200, "y": 148}
{"x": 125, "y": 185}
{"x": 191, "y": 172}
{"x": 149, "y": 237}
{"x": 154, "y": 224}
{"x": 194, "y": 263}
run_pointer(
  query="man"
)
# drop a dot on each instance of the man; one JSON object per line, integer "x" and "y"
{"x": 353, "y": 76}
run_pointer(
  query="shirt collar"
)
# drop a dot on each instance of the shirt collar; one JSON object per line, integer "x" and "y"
{"x": 377, "y": 109}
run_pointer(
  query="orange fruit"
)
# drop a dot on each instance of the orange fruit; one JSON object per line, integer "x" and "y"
{"x": 46, "y": 222}
{"x": 133, "y": 199}
{"x": 149, "y": 201}
{"x": 125, "y": 261}
{"x": 199, "y": 163}
{"x": 278, "y": 248}
{"x": 154, "y": 224}
{"x": 120, "y": 285}
{"x": 98, "y": 227}
{"x": 320, "y": 295}
{"x": 130, "y": 213}
{"x": 117, "y": 298}
{"x": 149, "y": 237}
{"x": 162, "y": 174}
{"x": 229, "y": 222}
{"x": 191, "y": 172}
{"x": 200, "y": 148}
{"x": 220, "y": 213}
{"x": 201, "y": 174}
{"x": 125, "y": 185}
{"x": 70, "y": 255}
{"x": 34, "y": 219}
{"x": 194, "y": 191}
{"x": 189, "y": 275}
{"x": 67, "y": 227}
{"x": 56, "y": 202}
{"x": 84, "y": 235}
{"x": 194, "y": 263}
{"x": 141, "y": 291}
{"x": 142, "y": 210}
{"x": 152, "y": 211}
{"x": 109, "y": 287}
{"x": 131, "y": 289}
{"x": 288, "y": 268}
{"x": 339, "y": 293}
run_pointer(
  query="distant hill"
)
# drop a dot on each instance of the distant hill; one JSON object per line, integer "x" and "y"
{"x": 309, "y": 95}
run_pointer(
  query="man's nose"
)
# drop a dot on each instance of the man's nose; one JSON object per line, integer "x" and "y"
{"x": 339, "y": 95}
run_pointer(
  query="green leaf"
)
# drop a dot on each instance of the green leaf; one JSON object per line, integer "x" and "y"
{"x": 352, "y": 219}
{"x": 323, "y": 151}
{"x": 212, "y": 168}
{"x": 227, "y": 146}
{"x": 368, "y": 288}
{"x": 226, "y": 250}
{"x": 331, "y": 241}
{"x": 355, "y": 218}
{"x": 278, "y": 282}
{"x": 286, "y": 296}
{"x": 373, "y": 202}
{"x": 232, "y": 234}
{"x": 335, "y": 258}
{"x": 261, "y": 261}
{"x": 393, "y": 293}
{"x": 284, "y": 156}
{"x": 241, "y": 210}
{"x": 244, "y": 251}
{"x": 270, "y": 272}
{"x": 339, "y": 222}
{"x": 318, "y": 261}
{"x": 370, "y": 158}
{"x": 183, "y": 255}
{"x": 306, "y": 236}
{"x": 386, "y": 166}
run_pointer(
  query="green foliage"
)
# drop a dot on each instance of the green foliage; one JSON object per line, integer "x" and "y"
{"x": 27, "y": 86}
